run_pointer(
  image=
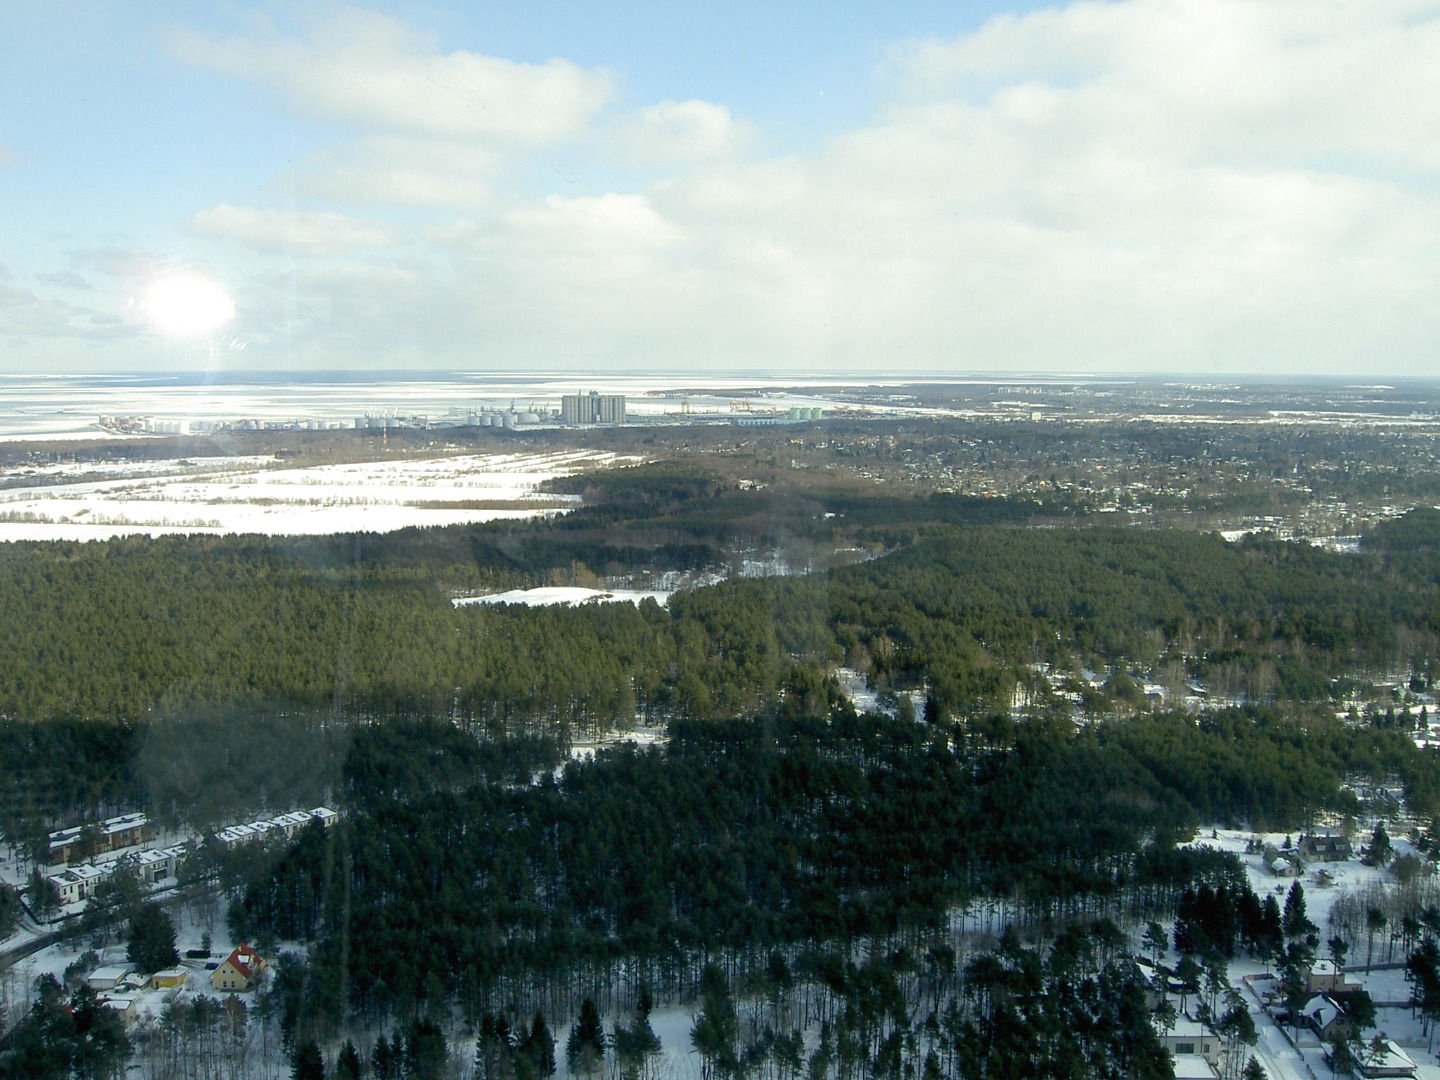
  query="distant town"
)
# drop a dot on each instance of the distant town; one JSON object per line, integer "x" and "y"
{"x": 592, "y": 409}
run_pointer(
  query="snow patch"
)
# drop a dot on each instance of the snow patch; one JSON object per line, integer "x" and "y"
{"x": 566, "y": 595}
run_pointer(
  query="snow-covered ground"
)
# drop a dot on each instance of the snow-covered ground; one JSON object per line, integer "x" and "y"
{"x": 565, "y": 595}
{"x": 256, "y": 495}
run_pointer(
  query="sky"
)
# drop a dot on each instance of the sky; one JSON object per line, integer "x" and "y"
{"x": 1204, "y": 187}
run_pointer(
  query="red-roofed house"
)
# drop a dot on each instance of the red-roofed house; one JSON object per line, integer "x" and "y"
{"x": 240, "y": 969}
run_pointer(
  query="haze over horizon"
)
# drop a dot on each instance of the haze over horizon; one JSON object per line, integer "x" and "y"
{"x": 1198, "y": 187}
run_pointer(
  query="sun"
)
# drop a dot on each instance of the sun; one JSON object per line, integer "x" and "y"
{"x": 186, "y": 305}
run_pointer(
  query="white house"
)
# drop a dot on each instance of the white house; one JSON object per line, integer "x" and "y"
{"x": 1190, "y": 1036}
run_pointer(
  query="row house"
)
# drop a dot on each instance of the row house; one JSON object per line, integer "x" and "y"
{"x": 153, "y": 865}
{"x": 112, "y": 834}
{"x": 79, "y": 882}
{"x": 156, "y": 864}
{"x": 286, "y": 825}
{"x": 76, "y": 883}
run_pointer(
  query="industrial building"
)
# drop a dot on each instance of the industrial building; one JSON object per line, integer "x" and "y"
{"x": 592, "y": 408}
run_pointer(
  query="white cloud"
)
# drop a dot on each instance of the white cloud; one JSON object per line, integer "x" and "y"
{"x": 433, "y": 129}
{"x": 294, "y": 231}
{"x": 403, "y": 170}
{"x": 556, "y": 223}
{"x": 1194, "y": 185}
{"x": 1253, "y": 81}
{"x": 66, "y": 279}
{"x": 26, "y": 314}
{"x": 370, "y": 71}
{"x": 681, "y": 132}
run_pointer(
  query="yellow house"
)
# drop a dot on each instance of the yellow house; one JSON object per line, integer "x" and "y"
{"x": 167, "y": 979}
{"x": 240, "y": 969}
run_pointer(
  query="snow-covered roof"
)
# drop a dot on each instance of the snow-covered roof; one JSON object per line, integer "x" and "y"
{"x": 1186, "y": 1027}
{"x": 1192, "y": 1067}
{"x": 1322, "y": 1010}
{"x": 1388, "y": 1057}
{"x": 245, "y": 960}
{"x": 108, "y": 827}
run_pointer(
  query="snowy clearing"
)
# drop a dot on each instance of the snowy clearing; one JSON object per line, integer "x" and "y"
{"x": 255, "y": 495}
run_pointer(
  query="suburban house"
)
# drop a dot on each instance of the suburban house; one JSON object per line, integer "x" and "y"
{"x": 76, "y": 883}
{"x": 157, "y": 864}
{"x": 239, "y": 970}
{"x": 1325, "y": 976}
{"x": 1326, "y": 1018}
{"x": 1384, "y": 1059}
{"x": 1189, "y": 1036}
{"x": 1151, "y": 977}
{"x": 1325, "y": 846}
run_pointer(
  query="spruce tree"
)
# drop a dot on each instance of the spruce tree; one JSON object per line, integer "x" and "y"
{"x": 585, "y": 1049}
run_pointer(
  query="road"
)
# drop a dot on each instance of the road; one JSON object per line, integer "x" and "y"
{"x": 1281, "y": 1060}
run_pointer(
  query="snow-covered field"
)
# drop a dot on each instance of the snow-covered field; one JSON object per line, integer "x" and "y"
{"x": 258, "y": 495}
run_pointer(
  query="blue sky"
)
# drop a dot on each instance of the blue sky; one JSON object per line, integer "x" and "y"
{"x": 1212, "y": 187}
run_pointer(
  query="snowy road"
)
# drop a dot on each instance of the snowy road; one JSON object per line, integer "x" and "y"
{"x": 1281, "y": 1060}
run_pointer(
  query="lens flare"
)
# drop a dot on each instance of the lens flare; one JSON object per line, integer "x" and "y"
{"x": 185, "y": 305}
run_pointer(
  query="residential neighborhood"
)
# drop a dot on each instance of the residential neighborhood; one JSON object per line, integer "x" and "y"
{"x": 127, "y": 844}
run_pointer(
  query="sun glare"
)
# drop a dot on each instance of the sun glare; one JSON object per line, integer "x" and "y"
{"x": 183, "y": 305}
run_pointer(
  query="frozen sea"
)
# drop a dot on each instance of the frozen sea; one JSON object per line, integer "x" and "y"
{"x": 69, "y": 406}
